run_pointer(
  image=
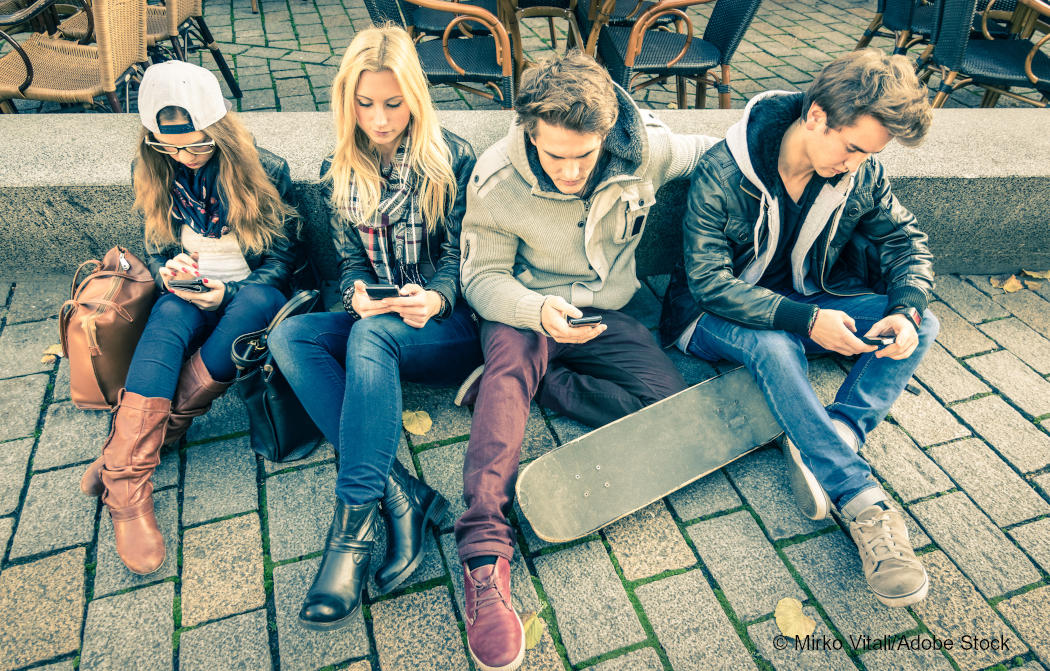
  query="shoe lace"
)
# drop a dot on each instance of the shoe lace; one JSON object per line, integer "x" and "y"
{"x": 486, "y": 594}
{"x": 878, "y": 538}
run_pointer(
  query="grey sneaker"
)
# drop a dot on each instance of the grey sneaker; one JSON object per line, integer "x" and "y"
{"x": 812, "y": 500}
{"x": 468, "y": 391}
{"x": 893, "y": 572}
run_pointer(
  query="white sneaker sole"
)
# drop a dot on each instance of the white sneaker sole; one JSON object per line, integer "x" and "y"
{"x": 812, "y": 500}
{"x": 513, "y": 665}
{"x": 907, "y": 599}
{"x": 467, "y": 384}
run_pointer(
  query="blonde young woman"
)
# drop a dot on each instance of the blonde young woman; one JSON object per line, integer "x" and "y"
{"x": 396, "y": 185}
{"x": 218, "y": 213}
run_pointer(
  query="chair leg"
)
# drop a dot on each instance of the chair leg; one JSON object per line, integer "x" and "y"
{"x": 723, "y": 89}
{"x": 176, "y": 44}
{"x": 924, "y": 58}
{"x": 209, "y": 42}
{"x": 900, "y": 47}
{"x": 114, "y": 102}
{"x": 8, "y": 107}
{"x": 945, "y": 90}
{"x": 516, "y": 46}
{"x": 255, "y": 6}
{"x": 679, "y": 87}
{"x": 990, "y": 98}
{"x": 869, "y": 32}
{"x": 554, "y": 36}
{"x": 701, "y": 93}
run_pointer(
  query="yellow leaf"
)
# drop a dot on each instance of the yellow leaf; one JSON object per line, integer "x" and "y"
{"x": 1013, "y": 284}
{"x": 998, "y": 281}
{"x": 534, "y": 628}
{"x": 1031, "y": 284}
{"x": 791, "y": 620}
{"x": 416, "y": 422}
{"x": 51, "y": 354}
{"x": 1041, "y": 274}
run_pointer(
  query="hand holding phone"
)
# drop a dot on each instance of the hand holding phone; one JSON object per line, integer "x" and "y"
{"x": 577, "y": 322}
{"x": 378, "y": 292}
{"x": 196, "y": 285}
{"x": 878, "y": 341}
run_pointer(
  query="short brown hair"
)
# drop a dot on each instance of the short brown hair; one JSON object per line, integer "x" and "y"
{"x": 570, "y": 91}
{"x": 870, "y": 82}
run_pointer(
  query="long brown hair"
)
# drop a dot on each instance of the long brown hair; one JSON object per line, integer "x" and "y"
{"x": 255, "y": 212}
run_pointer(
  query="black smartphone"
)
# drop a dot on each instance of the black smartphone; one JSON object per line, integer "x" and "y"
{"x": 195, "y": 285}
{"x": 878, "y": 341}
{"x": 585, "y": 321}
{"x": 378, "y": 292}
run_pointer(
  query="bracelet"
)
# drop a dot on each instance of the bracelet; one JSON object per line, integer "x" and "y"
{"x": 348, "y": 302}
{"x": 812, "y": 321}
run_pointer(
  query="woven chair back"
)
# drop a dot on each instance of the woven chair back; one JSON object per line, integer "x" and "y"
{"x": 120, "y": 32}
{"x": 727, "y": 25}
{"x": 952, "y": 32}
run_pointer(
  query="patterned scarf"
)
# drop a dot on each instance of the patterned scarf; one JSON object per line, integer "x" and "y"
{"x": 197, "y": 200}
{"x": 393, "y": 236}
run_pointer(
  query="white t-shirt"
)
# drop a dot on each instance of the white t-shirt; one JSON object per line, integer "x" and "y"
{"x": 218, "y": 258}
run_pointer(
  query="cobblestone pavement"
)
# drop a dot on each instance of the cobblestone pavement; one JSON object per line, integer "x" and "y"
{"x": 286, "y": 56}
{"x": 690, "y": 582}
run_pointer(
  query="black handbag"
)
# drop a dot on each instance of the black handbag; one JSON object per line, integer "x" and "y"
{"x": 280, "y": 428}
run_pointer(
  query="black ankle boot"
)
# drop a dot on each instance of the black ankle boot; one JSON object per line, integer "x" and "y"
{"x": 408, "y": 506}
{"x": 335, "y": 594}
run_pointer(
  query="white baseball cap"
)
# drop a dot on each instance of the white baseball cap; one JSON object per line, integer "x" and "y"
{"x": 180, "y": 84}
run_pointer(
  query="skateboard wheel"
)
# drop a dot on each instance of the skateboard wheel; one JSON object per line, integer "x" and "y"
{"x": 606, "y": 484}
{"x": 598, "y": 467}
{"x": 586, "y": 493}
{"x": 577, "y": 476}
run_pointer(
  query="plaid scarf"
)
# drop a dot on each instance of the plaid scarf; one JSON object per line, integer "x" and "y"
{"x": 196, "y": 199}
{"x": 393, "y": 236}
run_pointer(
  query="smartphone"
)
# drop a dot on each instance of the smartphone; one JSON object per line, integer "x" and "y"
{"x": 195, "y": 285}
{"x": 585, "y": 321}
{"x": 878, "y": 341}
{"x": 378, "y": 292}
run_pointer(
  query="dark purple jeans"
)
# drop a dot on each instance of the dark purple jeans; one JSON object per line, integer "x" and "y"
{"x": 617, "y": 373}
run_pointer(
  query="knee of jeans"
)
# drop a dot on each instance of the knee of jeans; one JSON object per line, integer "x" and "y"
{"x": 777, "y": 347}
{"x": 930, "y": 326}
{"x": 261, "y": 297}
{"x": 373, "y": 333}
{"x": 170, "y": 307}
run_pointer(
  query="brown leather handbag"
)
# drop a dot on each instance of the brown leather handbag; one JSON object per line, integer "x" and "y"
{"x": 101, "y": 324}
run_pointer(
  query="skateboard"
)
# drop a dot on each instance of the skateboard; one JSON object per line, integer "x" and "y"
{"x": 588, "y": 483}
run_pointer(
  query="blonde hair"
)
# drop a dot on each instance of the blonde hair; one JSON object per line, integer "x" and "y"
{"x": 255, "y": 211}
{"x": 390, "y": 48}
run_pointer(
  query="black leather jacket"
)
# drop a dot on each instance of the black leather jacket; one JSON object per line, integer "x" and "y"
{"x": 875, "y": 248}
{"x": 442, "y": 245}
{"x": 274, "y": 266}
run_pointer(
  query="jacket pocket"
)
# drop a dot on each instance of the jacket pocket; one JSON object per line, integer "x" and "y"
{"x": 632, "y": 210}
{"x": 739, "y": 230}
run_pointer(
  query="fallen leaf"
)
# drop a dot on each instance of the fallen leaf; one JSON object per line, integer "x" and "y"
{"x": 791, "y": 620}
{"x": 998, "y": 281}
{"x": 534, "y": 627}
{"x": 417, "y": 422}
{"x": 1031, "y": 284}
{"x": 1041, "y": 274}
{"x": 1013, "y": 284}
{"x": 51, "y": 354}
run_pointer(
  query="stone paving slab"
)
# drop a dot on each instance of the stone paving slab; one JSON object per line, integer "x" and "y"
{"x": 538, "y": 438}
{"x": 14, "y": 459}
{"x": 691, "y": 625}
{"x": 906, "y": 659}
{"x": 53, "y": 517}
{"x": 43, "y": 603}
{"x": 826, "y": 378}
{"x": 710, "y": 494}
{"x": 744, "y": 564}
{"x": 1027, "y": 613}
{"x": 110, "y": 573}
{"x": 61, "y": 389}
{"x": 227, "y": 415}
{"x": 896, "y": 459}
{"x": 565, "y": 429}
{"x": 925, "y": 419}
{"x": 1034, "y": 539}
{"x": 1020, "y": 339}
{"x": 443, "y": 470}
{"x": 592, "y": 610}
{"x": 37, "y": 298}
{"x": 300, "y": 648}
{"x": 323, "y": 452}
{"x": 418, "y": 631}
{"x": 1029, "y": 307}
{"x": 957, "y": 335}
{"x": 648, "y": 542}
{"x": 1012, "y": 436}
{"x": 7, "y": 525}
{"x": 975, "y": 544}
{"x": 21, "y": 399}
{"x": 449, "y": 420}
{"x": 946, "y": 377}
{"x": 22, "y": 346}
{"x": 645, "y": 659}
{"x": 762, "y": 480}
{"x": 220, "y": 480}
{"x": 693, "y": 370}
{"x": 299, "y": 506}
{"x": 953, "y": 609}
{"x": 130, "y": 631}
{"x": 240, "y": 643}
{"x": 222, "y": 570}
{"x": 1019, "y": 383}
{"x": 972, "y": 304}
{"x": 70, "y": 436}
{"x": 791, "y": 657}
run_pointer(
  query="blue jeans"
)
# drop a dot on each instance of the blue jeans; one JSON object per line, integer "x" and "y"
{"x": 777, "y": 359}
{"x": 348, "y": 375}
{"x": 176, "y": 329}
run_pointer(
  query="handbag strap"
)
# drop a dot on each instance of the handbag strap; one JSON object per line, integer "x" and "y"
{"x": 75, "y": 287}
{"x": 248, "y": 350}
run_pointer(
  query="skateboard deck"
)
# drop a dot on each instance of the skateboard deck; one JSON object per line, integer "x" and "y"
{"x": 590, "y": 482}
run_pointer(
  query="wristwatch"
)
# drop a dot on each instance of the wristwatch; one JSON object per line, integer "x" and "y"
{"x": 911, "y": 313}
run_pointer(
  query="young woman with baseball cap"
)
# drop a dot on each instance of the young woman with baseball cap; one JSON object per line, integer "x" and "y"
{"x": 220, "y": 213}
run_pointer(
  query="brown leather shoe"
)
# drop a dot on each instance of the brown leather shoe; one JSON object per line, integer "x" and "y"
{"x": 131, "y": 454}
{"x": 193, "y": 396}
{"x": 91, "y": 481}
{"x": 495, "y": 636}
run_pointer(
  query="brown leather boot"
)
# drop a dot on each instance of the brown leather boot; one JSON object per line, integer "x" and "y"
{"x": 193, "y": 396}
{"x": 131, "y": 454}
{"x": 91, "y": 481}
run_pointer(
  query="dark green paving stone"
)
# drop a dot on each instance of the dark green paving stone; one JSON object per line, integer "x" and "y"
{"x": 592, "y": 610}
{"x": 299, "y": 506}
{"x": 227, "y": 415}
{"x": 648, "y": 542}
{"x": 37, "y": 298}
{"x": 906, "y": 659}
{"x": 70, "y": 435}
{"x": 925, "y": 419}
{"x": 14, "y": 457}
{"x": 1017, "y": 337}
{"x": 22, "y": 346}
{"x": 690, "y": 624}
{"x": 418, "y": 631}
{"x": 957, "y": 335}
{"x": 1028, "y": 306}
{"x": 448, "y": 420}
{"x": 222, "y": 569}
{"x": 743, "y": 563}
{"x": 61, "y": 390}
{"x": 21, "y": 398}
{"x": 7, "y": 524}
{"x": 645, "y": 659}
{"x": 443, "y": 470}
{"x": 538, "y": 439}
{"x": 43, "y": 607}
{"x": 130, "y": 631}
{"x": 55, "y": 515}
{"x": 831, "y": 568}
{"x": 896, "y": 459}
{"x": 795, "y": 655}
{"x": 946, "y": 377}
{"x": 240, "y": 643}
{"x": 972, "y": 304}
{"x": 826, "y": 378}
{"x": 1012, "y": 436}
{"x": 993, "y": 485}
{"x": 565, "y": 428}
{"x": 323, "y": 452}
{"x": 110, "y": 573}
{"x": 975, "y": 544}
{"x": 304, "y": 649}
{"x": 645, "y": 307}
{"x": 220, "y": 480}
{"x": 710, "y": 494}
{"x": 1016, "y": 381}
{"x": 1028, "y": 614}
{"x": 522, "y": 593}
{"x": 693, "y": 370}
{"x": 1033, "y": 537}
{"x": 953, "y": 609}
{"x": 762, "y": 480}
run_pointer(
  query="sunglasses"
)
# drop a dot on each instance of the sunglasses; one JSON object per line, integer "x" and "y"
{"x": 197, "y": 148}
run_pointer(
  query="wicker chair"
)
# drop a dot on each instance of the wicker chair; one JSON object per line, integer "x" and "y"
{"x": 422, "y": 22}
{"x": 552, "y": 9}
{"x": 630, "y": 51}
{"x": 57, "y": 70}
{"x": 600, "y": 14}
{"x": 993, "y": 64}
